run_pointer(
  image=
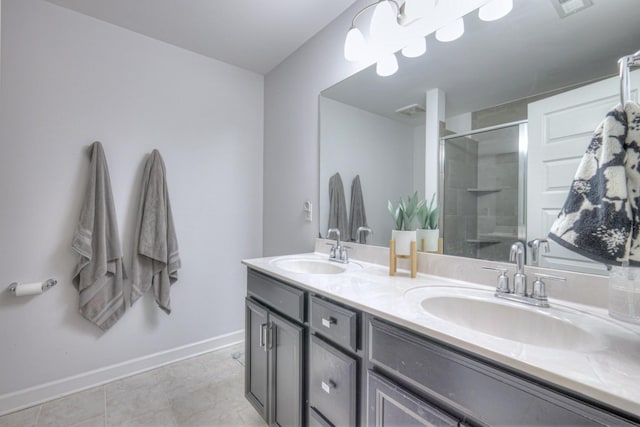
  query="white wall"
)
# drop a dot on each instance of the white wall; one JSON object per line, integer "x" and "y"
{"x": 357, "y": 142}
{"x": 291, "y": 135}
{"x": 68, "y": 80}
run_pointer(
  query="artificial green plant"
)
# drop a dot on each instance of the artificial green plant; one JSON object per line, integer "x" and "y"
{"x": 404, "y": 213}
{"x": 427, "y": 214}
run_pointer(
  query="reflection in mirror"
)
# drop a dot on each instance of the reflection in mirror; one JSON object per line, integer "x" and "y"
{"x": 483, "y": 191}
{"x": 530, "y": 65}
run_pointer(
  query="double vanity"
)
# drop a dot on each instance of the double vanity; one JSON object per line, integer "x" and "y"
{"x": 330, "y": 344}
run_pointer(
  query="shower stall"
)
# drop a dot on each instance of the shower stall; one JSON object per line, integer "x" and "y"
{"x": 482, "y": 176}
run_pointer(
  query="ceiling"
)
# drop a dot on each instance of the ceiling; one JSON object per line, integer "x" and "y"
{"x": 529, "y": 52}
{"x": 253, "y": 34}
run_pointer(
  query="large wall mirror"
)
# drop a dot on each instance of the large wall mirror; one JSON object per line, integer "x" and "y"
{"x": 522, "y": 97}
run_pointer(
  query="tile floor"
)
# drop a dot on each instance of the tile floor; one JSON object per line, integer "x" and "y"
{"x": 203, "y": 391}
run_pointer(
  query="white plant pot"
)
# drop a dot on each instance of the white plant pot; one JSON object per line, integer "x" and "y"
{"x": 428, "y": 240}
{"x": 403, "y": 241}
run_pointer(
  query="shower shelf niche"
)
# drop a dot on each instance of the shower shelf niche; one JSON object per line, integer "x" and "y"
{"x": 479, "y": 191}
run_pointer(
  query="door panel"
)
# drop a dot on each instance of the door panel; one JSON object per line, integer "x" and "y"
{"x": 560, "y": 130}
{"x": 256, "y": 356}
{"x": 286, "y": 342}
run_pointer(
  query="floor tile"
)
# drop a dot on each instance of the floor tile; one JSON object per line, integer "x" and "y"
{"x": 163, "y": 418}
{"x": 214, "y": 417}
{"x": 250, "y": 417}
{"x": 73, "y": 409}
{"x": 93, "y": 422}
{"x": 135, "y": 404}
{"x": 25, "y": 418}
{"x": 131, "y": 384}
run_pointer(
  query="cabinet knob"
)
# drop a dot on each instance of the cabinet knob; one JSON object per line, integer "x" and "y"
{"x": 328, "y": 322}
{"x": 327, "y": 386}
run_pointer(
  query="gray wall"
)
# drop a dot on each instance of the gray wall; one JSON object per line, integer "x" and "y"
{"x": 291, "y": 135}
{"x": 68, "y": 80}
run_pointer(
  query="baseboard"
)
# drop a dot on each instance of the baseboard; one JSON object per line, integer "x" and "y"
{"x": 31, "y": 396}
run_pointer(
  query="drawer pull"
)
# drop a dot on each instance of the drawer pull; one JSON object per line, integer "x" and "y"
{"x": 327, "y": 386}
{"x": 328, "y": 322}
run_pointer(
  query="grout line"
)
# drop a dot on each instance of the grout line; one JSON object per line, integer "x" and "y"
{"x": 104, "y": 390}
{"x": 38, "y": 416}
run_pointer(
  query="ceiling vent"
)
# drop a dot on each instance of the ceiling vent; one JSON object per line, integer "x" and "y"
{"x": 569, "y": 7}
{"x": 411, "y": 110}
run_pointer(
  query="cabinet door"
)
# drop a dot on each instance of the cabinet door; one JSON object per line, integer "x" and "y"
{"x": 256, "y": 356}
{"x": 392, "y": 406}
{"x": 286, "y": 342}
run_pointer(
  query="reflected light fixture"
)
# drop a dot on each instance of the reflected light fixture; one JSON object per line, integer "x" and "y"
{"x": 403, "y": 26}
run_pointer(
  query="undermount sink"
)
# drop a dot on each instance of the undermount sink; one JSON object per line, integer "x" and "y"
{"x": 481, "y": 311}
{"x": 311, "y": 266}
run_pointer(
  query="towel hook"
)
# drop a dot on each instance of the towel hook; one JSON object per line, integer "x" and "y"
{"x": 625, "y": 63}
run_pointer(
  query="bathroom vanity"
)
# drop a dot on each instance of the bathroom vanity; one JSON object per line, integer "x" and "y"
{"x": 341, "y": 345}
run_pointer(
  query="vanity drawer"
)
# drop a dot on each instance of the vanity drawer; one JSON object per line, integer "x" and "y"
{"x": 280, "y": 296}
{"x": 334, "y": 322}
{"x": 332, "y": 383}
{"x": 483, "y": 392}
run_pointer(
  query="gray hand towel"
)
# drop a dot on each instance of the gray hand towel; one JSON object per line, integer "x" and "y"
{"x": 99, "y": 274}
{"x": 338, "y": 206}
{"x": 155, "y": 259}
{"x": 600, "y": 217}
{"x": 357, "y": 214}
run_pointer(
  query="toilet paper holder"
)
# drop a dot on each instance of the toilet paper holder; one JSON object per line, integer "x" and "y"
{"x": 50, "y": 283}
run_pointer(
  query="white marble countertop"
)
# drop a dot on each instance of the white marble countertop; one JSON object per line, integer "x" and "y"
{"x": 608, "y": 372}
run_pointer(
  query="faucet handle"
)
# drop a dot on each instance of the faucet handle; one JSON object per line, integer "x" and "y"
{"x": 332, "y": 250}
{"x": 539, "y": 288}
{"x": 344, "y": 254}
{"x": 503, "y": 280}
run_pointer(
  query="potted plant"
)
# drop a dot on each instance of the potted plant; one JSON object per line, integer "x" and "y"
{"x": 428, "y": 233}
{"x": 403, "y": 216}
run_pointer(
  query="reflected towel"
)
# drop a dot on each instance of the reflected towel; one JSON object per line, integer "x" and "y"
{"x": 338, "y": 206}
{"x": 155, "y": 259}
{"x": 357, "y": 214}
{"x": 600, "y": 217}
{"x": 99, "y": 274}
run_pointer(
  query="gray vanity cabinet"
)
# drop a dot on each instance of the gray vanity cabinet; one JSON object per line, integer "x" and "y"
{"x": 391, "y": 406}
{"x": 274, "y": 351}
{"x": 470, "y": 389}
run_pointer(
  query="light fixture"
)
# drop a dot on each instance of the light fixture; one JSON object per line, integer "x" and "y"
{"x": 495, "y": 10}
{"x": 387, "y": 65}
{"x": 451, "y": 31}
{"x": 404, "y": 26}
{"x": 416, "y": 47}
{"x": 354, "y": 46}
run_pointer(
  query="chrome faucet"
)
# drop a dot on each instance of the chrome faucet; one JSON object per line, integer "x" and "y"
{"x": 535, "y": 246}
{"x": 338, "y": 252}
{"x": 519, "y": 279}
{"x": 360, "y": 231}
{"x": 538, "y": 295}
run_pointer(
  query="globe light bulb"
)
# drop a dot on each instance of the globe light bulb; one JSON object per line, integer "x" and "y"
{"x": 354, "y": 45}
{"x": 495, "y": 10}
{"x": 451, "y": 31}
{"x": 387, "y": 65}
{"x": 416, "y": 47}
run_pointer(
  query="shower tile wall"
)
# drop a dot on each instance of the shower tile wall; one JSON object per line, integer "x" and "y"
{"x": 497, "y": 211}
{"x": 460, "y": 208}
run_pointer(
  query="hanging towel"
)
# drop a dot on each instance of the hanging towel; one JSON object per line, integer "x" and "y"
{"x": 600, "y": 216}
{"x": 357, "y": 214}
{"x": 99, "y": 274}
{"x": 155, "y": 259}
{"x": 338, "y": 206}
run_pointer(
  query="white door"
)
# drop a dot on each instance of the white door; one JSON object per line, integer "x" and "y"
{"x": 560, "y": 129}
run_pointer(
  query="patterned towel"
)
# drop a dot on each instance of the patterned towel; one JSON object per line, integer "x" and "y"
{"x": 600, "y": 217}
